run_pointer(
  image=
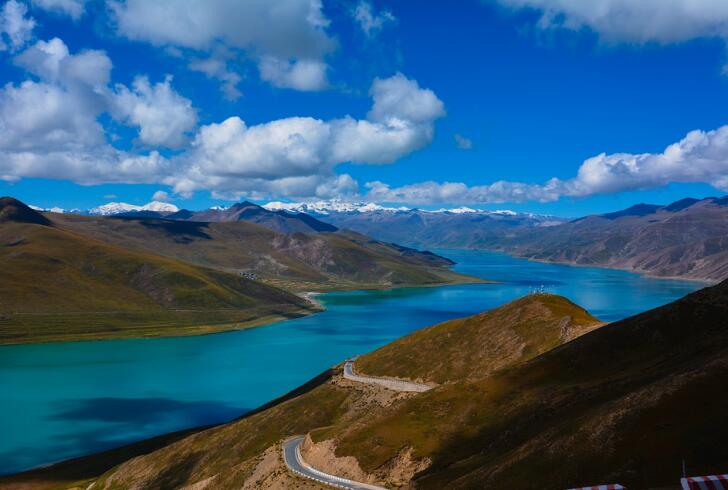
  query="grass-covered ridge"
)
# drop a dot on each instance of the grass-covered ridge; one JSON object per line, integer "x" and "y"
{"x": 626, "y": 402}
{"x": 59, "y": 285}
{"x": 475, "y": 346}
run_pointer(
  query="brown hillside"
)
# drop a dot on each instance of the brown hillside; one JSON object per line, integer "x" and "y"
{"x": 474, "y": 347}
{"x": 58, "y": 285}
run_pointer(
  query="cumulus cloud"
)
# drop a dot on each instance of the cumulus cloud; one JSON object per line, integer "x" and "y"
{"x": 370, "y": 21}
{"x": 52, "y": 62}
{"x": 163, "y": 116}
{"x": 701, "y": 156}
{"x": 41, "y": 117}
{"x": 15, "y": 28}
{"x": 399, "y": 98}
{"x": 304, "y": 75}
{"x": 48, "y": 131}
{"x": 160, "y": 196}
{"x": 287, "y": 40}
{"x": 49, "y": 127}
{"x": 662, "y": 21}
{"x": 58, "y": 112}
{"x": 296, "y": 156}
{"x": 86, "y": 165}
{"x": 459, "y": 193}
{"x": 462, "y": 142}
{"x": 72, "y": 8}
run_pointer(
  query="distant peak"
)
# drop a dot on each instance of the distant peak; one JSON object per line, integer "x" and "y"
{"x": 245, "y": 204}
{"x": 641, "y": 209}
{"x": 112, "y": 208}
{"x": 681, "y": 204}
{"x": 12, "y": 210}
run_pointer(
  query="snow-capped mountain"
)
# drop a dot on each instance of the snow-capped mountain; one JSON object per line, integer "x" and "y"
{"x": 323, "y": 208}
{"x": 461, "y": 210}
{"x": 113, "y": 208}
{"x": 327, "y": 207}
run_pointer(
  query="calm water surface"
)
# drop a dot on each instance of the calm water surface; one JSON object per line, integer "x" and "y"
{"x": 63, "y": 400}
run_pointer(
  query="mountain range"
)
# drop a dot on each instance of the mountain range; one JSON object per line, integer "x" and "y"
{"x": 277, "y": 220}
{"x": 686, "y": 239}
{"x": 71, "y": 277}
{"x": 534, "y": 394}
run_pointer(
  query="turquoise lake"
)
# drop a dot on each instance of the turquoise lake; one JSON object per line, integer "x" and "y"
{"x": 68, "y": 399}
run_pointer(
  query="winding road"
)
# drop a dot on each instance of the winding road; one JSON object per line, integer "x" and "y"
{"x": 292, "y": 447}
{"x": 294, "y": 461}
{"x": 392, "y": 384}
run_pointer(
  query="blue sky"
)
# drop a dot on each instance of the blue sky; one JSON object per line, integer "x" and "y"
{"x": 489, "y": 104}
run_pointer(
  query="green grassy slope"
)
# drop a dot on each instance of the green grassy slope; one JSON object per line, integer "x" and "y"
{"x": 624, "y": 403}
{"x": 475, "y": 346}
{"x": 58, "y": 285}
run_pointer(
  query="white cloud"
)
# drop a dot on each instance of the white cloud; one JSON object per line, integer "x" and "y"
{"x": 160, "y": 196}
{"x": 287, "y": 40}
{"x": 72, "y": 8}
{"x": 701, "y": 156}
{"x": 163, "y": 116}
{"x": 296, "y": 156}
{"x": 462, "y": 142}
{"x": 41, "y": 117}
{"x": 370, "y": 21}
{"x": 304, "y": 75}
{"x": 217, "y": 68}
{"x": 363, "y": 141}
{"x": 15, "y": 28}
{"x": 49, "y": 128}
{"x": 73, "y": 93}
{"x": 662, "y": 21}
{"x": 52, "y": 62}
{"x": 399, "y": 98}
{"x": 58, "y": 113}
{"x": 460, "y": 193}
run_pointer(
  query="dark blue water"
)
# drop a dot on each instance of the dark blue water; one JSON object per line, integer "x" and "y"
{"x": 67, "y": 399}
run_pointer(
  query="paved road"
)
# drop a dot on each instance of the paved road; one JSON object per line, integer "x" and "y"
{"x": 295, "y": 463}
{"x": 392, "y": 384}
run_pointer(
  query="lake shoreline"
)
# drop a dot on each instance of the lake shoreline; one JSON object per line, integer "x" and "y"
{"x": 706, "y": 281}
{"x": 200, "y": 330}
{"x": 175, "y": 383}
